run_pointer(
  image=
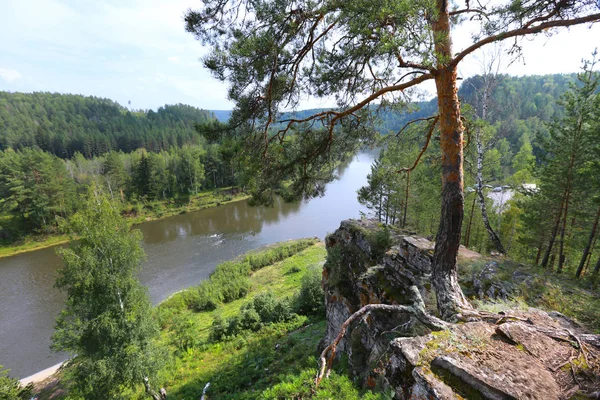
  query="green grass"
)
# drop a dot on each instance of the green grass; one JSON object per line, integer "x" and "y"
{"x": 276, "y": 278}
{"x": 277, "y": 362}
{"x": 33, "y": 242}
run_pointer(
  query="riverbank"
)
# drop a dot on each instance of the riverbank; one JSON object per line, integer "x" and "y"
{"x": 278, "y": 360}
{"x": 137, "y": 213}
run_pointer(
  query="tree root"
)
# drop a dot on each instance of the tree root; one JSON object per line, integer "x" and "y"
{"x": 417, "y": 310}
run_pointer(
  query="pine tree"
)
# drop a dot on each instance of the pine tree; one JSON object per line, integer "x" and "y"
{"x": 276, "y": 52}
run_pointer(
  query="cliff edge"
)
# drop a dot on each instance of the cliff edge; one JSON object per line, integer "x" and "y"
{"x": 513, "y": 354}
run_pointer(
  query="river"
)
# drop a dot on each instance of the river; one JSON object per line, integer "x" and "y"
{"x": 181, "y": 251}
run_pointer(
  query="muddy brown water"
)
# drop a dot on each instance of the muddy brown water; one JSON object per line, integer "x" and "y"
{"x": 181, "y": 251}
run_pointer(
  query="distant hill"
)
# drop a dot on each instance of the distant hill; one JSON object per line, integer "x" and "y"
{"x": 63, "y": 124}
{"x": 221, "y": 115}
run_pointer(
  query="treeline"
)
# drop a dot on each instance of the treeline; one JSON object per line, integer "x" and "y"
{"x": 36, "y": 187}
{"x": 538, "y": 140}
{"x": 66, "y": 124}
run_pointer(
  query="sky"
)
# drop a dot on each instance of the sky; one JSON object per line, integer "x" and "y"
{"x": 137, "y": 52}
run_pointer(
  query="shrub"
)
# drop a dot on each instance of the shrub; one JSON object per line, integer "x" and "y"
{"x": 380, "y": 241}
{"x": 271, "y": 309}
{"x": 250, "y": 319}
{"x": 311, "y": 298}
{"x": 218, "y": 330}
{"x": 230, "y": 281}
{"x": 184, "y": 335}
{"x": 11, "y": 389}
{"x": 205, "y": 297}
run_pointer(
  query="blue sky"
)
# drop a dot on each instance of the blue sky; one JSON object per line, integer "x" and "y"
{"x": 138, "y": 51}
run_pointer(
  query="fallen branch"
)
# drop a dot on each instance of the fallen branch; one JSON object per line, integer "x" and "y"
{"x": 417, "y": 309}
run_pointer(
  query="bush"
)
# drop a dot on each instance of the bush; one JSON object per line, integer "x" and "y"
{"x": 380, "y": 241}
{"x": 184, "y": 335}
{"x": 205, "y": 297}
{"x": 271, "y": 309}
{"x": 263, "y": 310}
{"x": 218, "y": 329}
{"x": 250, "y": 320}
{"x": 11, "y": 389}
{"x": 311, "y": 299}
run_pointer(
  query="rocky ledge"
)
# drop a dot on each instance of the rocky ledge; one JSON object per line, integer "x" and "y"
{"x": 511, "y": 355}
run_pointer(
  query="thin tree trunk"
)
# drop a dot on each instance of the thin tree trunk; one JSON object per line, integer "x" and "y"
{"x": 450, "y": 298}
{"x": 539, "y": 251}
{"x": 379, "y": 210}
{"x": 561, "y": 254}
{"x": 589, "y": 259}
{"x": 554, "y": 233}
{"x": 597, "y": 267}
{"x": 406, "y": 199}
{"x": 387, "y": 208}
{"x": 479, "y": 185}
{"x": 586, "y": 251}
{"x": 486, "y": 221}
{"x": 468, "y": 238}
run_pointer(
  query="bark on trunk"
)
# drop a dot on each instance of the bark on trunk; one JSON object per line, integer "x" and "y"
{"x": 586, "y": 251}
{"x": 406, "y": 199}
{"x": 450, "y": 298}
{"x": 597, "y": 267}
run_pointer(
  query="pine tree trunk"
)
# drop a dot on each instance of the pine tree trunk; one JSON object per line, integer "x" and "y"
{"x": 406, "y": 199}
{"x": 554, "y": 233}
{"x": 561, "y": 254}
{"x": 597, "y": 267}
{"x": 586, "y": 251}
{"x": 539, "y": 250}
{"x": 450, "y": 298}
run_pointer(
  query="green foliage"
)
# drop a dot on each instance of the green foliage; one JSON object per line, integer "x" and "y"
{"x": 264, "y": 309}
{"x": 107, "y": 320}
{"x": 11, "y": 389}
{"x": 380, "y": 241}
{"x": 64, "y": 124}
{"x": 557, "y": 220}
{"x": 311, "y": 298}
{"x": 183, "y": 333}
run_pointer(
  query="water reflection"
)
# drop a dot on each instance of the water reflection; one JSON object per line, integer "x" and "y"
{"x": 181, "y": 251}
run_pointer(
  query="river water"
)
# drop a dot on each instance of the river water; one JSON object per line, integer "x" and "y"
{"x": 181, "y": 251}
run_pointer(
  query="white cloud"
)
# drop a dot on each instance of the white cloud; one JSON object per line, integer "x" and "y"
{"x": 9, "y": 75}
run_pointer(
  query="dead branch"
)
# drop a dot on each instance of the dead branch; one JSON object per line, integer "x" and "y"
{"x": 417, "y": 309}
{"x": 432, "y": 126}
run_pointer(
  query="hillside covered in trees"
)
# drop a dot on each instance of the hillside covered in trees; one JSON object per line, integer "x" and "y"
{"x": 64, "y": 124}
{"x": 54, "y": 146}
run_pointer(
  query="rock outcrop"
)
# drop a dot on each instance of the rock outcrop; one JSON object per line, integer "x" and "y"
{"x": 522, "y": 355}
